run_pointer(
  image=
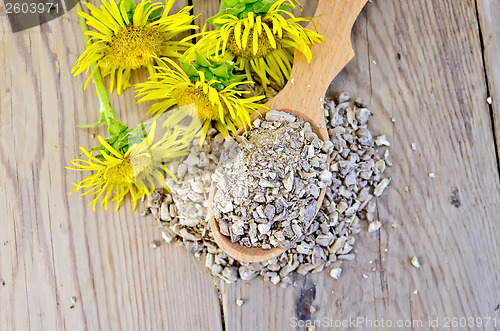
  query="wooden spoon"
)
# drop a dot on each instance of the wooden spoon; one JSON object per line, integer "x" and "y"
{"x": 303, "y": 97}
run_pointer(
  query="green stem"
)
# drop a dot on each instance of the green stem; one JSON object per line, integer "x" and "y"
{"x": 106, "y": 109}
{"x": 108, "y": 115}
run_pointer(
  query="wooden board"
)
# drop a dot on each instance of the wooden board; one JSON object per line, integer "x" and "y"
{"x": 419, "y": 61}
{"x": 52, "y": 246}
{"x": 444, "y": 113}
{"x": 425, "y": 70}
{"x": 489, "y": 12}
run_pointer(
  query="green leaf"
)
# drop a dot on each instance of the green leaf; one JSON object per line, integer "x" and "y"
{"x": 101, "y": 121}
{"x": 230, "y": 3}
{"x": 221, "y": 71}
{"x": 201, "y": 60}
{"x": 115, "y": 127}
{"x": 129, "y": 6}
{"x": 192, "y": 71}
{"x": 184, "y": 65}
{"x": 241, "y": 8}
{"x": 155, "y": 14}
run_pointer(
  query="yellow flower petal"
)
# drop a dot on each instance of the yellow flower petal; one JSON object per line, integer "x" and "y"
{"x": 261, "y": 45}
{"x": 118, "y": 47}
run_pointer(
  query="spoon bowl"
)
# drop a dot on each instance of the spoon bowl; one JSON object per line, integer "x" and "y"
{"x": 255, "y": 254}
{"x": 303, "y": 97}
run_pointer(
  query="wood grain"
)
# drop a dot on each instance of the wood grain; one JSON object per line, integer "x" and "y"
{"x": 426, "y": 73}
{"x": 204, "y": 9}
{"x": 418, "y": 61}
{"x": 52, "y": 246}
{"x": 435, "y": 89}
{"x": 489, "y": 12}
{"x": 302, "y": 95}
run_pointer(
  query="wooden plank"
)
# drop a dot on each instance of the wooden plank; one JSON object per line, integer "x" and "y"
{"x": 52, "y": 246}
{"x": 419, "y": 62}
{"x": 489, "y": 12}
{"x": 426, "y": 71}
{"x": 204, "y": 9}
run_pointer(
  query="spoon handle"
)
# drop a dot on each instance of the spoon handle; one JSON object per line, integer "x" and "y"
{"x": 308, "y": 82}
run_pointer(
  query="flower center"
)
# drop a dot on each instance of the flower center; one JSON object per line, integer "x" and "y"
{"x": 264, "y": 47}
{"x": 134, "y": 47}
{"x": 121, "y": 173}
{"x": 193, "y": 95}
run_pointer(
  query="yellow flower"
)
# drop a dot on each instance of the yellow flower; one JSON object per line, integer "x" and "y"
{"x": 260, "y": 44}
{"x": 129, "y": 37}
{"x": 136, "y": 169}
{"x": 221, "y": 107}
